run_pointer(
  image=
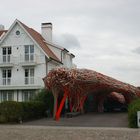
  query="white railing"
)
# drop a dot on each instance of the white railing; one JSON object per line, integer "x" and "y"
{"x": 6, "y": 59}
{"x": 29, "y": 80}
{"x": 6, "y": 81}
{"x": 25, "y": 81}
{"x": 29, "y": 58}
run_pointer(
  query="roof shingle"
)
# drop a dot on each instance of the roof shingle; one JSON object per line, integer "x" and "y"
{"x": 2, "y": 31}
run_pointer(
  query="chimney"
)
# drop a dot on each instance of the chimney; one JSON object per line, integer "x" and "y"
{"x": 1, "y": 27}
{"x": 46, "y": 31}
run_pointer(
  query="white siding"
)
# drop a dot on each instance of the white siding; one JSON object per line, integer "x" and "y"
{"x": 17, "y": 43}
{"x": 56, "y": 51}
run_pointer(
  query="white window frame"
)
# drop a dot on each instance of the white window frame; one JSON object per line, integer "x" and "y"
{"x": 29, "y": 75}
{"x": 27, "y": 95}
{"x": 6, "y": 76}
{"x": 29, "y": 53}
{"x": 6, "y": 96}
{"x": 6, "y": 57}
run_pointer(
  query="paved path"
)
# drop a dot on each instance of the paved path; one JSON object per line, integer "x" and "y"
{"x": 87, "y": 120}
{"x": 21, "y": 132}
{"x": 88, "y": 127}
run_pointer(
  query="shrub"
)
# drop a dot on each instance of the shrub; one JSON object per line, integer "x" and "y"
{"x": 10, "y": 111}
{"x": 46, "y": 97}
{"x": 33, "y": 110}
{"x": 132, "y": 113}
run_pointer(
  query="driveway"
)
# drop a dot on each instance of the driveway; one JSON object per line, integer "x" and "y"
{"x": 86, "y": 120}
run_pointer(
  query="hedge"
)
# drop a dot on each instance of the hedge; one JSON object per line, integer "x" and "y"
{"x": 11, "y": 111}
{"x": 33, "y": 110}
{"x": 46, "y": 96}
{"x": 132, "y": 113}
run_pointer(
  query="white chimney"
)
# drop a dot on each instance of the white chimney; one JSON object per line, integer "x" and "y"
{"x": 1, "y": 27}
{"x": 46, "y": 31}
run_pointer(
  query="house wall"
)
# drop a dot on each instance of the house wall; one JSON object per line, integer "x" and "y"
{"x": 67, "y": 60}
{"x": 17, "y": 44}
{"x": 64, "y": 56}
{"x": 41, "y": 64}
{"x": 56, "y": 51}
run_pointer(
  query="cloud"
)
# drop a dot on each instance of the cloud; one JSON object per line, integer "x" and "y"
{"x": 104, "y": 35}
{"x": 66, "y": 40}
{"x": 136, "y": 50}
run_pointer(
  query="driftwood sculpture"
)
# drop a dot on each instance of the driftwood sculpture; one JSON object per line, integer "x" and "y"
{"x": 76, "y": 84}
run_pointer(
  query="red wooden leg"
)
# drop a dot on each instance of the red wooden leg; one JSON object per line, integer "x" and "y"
{"x": 61, "y": 106}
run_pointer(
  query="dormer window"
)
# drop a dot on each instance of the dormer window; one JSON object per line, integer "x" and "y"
{"x": 17, "y": 32}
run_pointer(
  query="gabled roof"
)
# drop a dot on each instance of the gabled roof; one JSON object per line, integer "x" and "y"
{"x": 2, "y": 31}
{"x": 36, "y": 37}
{"x": 40, "y": 40}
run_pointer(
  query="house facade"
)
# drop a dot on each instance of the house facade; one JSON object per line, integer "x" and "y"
{"x": 26, "y": 56}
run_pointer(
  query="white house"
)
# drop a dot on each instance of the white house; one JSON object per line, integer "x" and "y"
{"x": 26, "y": 56}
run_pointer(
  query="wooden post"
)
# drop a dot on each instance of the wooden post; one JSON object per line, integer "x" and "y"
{"x": 101, "y": 104}
{"x": 55, "y": 95}
{"x": 61, "y": 106}
{"x": 82, "y": 104}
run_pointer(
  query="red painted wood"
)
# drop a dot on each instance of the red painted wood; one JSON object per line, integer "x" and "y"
{"x": 61, "y": 106}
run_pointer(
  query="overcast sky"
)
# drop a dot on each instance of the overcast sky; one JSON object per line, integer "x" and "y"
{"x": 104, "y": 35}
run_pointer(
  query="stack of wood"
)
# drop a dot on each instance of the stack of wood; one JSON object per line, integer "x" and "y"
{"x": 80, "y": 82}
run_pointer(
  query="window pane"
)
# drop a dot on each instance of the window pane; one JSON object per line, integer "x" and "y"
{"x": 32, "y": 72}
{"x": 26, "y": 80}
{"x": 31, "y": 48}
{"x": 4, "y": 51}
{"x": 26, "y": 72}
{"x": 3, "y": 73}
{"x": 31, "y": 80}
{"x": 10, "y": 96}
{"x": 8, "y": 81}
{"x": 31, "y": 95}
{"x": 25, "y": 96}
{"x": 4, "y": 98}
{"x": 9, "y": 73}
{"x": 9, "y": 50}
{"x": 31, "y": 57}
{"x": 26, "y": 57}
{"x": 4, "y": 58}
{"x": 26, "y": 49}
{"x": 8, "y": 58}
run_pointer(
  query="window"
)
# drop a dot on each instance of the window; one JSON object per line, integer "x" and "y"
{"x": 17, "y": 32}
{"x": 29, "y": 76}
{"x": 6, "y": 76}
{"x": 6, "y": 53}
{"x": 6, "y": 96}
{"x": 28, "y": 95}
{"x": 29, "y": 53}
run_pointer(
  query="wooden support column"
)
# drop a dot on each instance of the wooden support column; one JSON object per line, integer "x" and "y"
{"x": 82, "y": 104}
{"x": 55, "y": 95}
{"x": 61, "y": 105}
{"x": 101, "y": 104}
{"x": 55, "y": 105}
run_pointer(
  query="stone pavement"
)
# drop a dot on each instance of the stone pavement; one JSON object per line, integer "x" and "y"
{"x": 25, "y": 132}
{"x": 86, "y": 120}
{"x": 94, "y": 126}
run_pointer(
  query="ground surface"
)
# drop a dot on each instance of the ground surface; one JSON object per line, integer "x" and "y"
{"x": 66, "y": 133}
{"x": 110, "y": 126}
{"x": 86, "y": 120}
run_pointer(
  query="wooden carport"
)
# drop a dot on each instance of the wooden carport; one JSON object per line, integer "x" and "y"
{"x": 76, "y": 84}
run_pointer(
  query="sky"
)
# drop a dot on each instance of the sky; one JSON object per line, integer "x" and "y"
{"x": 104, "y": 35}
